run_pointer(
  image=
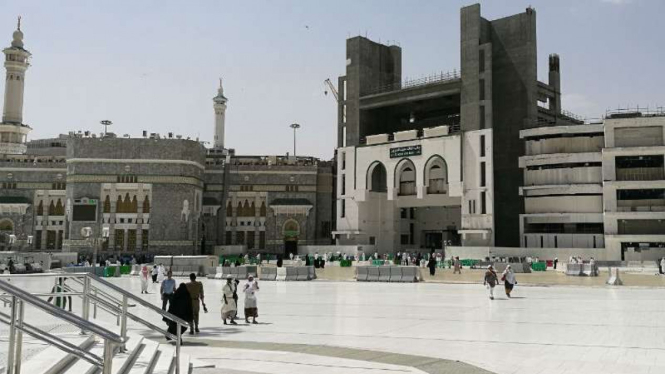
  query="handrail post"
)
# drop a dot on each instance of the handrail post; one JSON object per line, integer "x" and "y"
{"x": 123, "y": 319}
{"x": 177, "y": 347}
{"x": 19, "y": 337}
{"x": 86, "y": 299}
{"x": 12, "y": 331}
{"x": 108, "y": 357}
{"x": 94, "y": 310}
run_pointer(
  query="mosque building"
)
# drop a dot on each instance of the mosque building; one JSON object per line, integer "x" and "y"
{"x": 155, "y": 194}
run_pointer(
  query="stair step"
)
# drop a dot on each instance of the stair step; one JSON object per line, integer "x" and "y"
{"x": 52, "y": 360}
{"x": 146, "y": 360}
{"x": 84, "y": 367}
{"x": 185, "y": 366}
{"x": 164, "y": 360}
{"x": 123, "y": 361}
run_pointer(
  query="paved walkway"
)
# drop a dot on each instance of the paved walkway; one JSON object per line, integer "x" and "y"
{"x": 546, "y": 330}
{"x": 550, "y": 277}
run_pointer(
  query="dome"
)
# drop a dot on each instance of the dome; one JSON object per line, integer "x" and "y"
{"x": 18, "y": 39}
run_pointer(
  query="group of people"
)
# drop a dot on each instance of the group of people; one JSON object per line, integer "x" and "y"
{"x": 230, "y": 300}
{"x": 492, "y": 280}
{"x": 185, "y": 300}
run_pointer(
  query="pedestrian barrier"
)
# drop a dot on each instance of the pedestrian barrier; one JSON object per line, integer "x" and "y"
{"x": 574, "y": 269}
{"x": 303, "y": 273}
{"x": 372, "y": 274}
{"x": 409, "y": 274}
{"x": 518, "y": 267}
{"x": 291, "y": 273}
{"x": 241, "y": 272}
{"x": 614, "y": 279}
{"x": 395, "y": 274}
{"x": 311, "y": 272}
{"x": 539, "y": 266}
{"x": 387, "y": 273}
{"x": 590, "y": 270}
{"x": 268, "y": 273}
{"x": 384, "y": 274}
{"x": 361, "y": 275}
{"x": 281, "y": 274}
{"x": 136, "y": 270}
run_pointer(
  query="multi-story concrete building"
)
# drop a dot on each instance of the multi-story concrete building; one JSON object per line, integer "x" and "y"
{"x": 563, "y": 186}
{"x": 634, "y": 184}
{"x": 151, "y": 194}
{"x": 435, "y": 160}
{"x": 599, "y": 185}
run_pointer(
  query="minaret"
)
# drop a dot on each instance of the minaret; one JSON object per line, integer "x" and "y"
{"x": 220, "y": 116}
{"x": 13, "y": 132}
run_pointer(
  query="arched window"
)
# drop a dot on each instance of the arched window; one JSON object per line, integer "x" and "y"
{"x": 252, "y": 210}
{"x": 119, "y": 206}
{"x": 40, "y": 208}
{"x": 107, "y": 204}
{"x": 59, "y": 208}
{"x": 51, "y": 209}
{"x": 146, "y": 205}
{"x": 239, "y": 211}
{"x": 377, "y": 178}
{"x": 406, "y": 177}
{"x": 229, "y": 209}
{"x": 6, "y": 225}
{"x": 436, "y": 176}
{"x": 262, "y": 210}
{"x": 134, "y": 206}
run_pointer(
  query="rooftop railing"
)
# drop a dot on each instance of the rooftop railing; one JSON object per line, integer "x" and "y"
{"x": 441, "y": 77}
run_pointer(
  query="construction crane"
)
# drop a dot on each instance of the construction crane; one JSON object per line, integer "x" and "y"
{"x": 332, "y": 89}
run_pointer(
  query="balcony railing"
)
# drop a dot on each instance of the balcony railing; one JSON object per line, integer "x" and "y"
{"x": 640, "y": 174}
{"x": 407, "y": 188}
{"x": 643, "y": 208}
{"x": 437, "y": 186}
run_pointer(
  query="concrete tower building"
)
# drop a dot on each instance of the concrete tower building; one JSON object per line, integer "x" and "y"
{"x": 13, "y": 132}
{"x": 220, "y": 116}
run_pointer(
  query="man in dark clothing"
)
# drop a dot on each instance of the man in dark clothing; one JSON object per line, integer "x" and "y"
{"x": 431, "y": 264}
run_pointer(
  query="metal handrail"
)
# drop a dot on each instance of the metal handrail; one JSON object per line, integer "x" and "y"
{"x": 66, "y": 346}
{"x": 140, "y": 301}
{"x": 101, "y": 292}
{"x": 115, "y": 306}
{"x": 19, "y": 298}
{"x": 57, "y": 312}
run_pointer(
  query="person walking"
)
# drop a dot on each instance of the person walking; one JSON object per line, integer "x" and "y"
{"x": 167, "y": 289}
{"x": 61, "y": 302}
{"x": 457, "y": 266}
{"x": 490, "y": 280}
{"x": 229, "y": 304}
{"x": 431, "y": 264}
{"x": 556, "y": 261}
{"x": 251, "y": 308}
{"x": 180, "y": 306}
{"x": 195, "y": 289}
{"x": 144, "y": 279}
{"x": 155, "y": 272}
{"x": 662, "y": 265}
{"x": 508, "y": 278}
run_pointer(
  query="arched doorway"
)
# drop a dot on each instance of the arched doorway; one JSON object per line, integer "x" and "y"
{"x": 291, "y": 233}
{"x": 436, "y": 175}
{"x": 377, "y": 178}
{"x": 405, "y": 177}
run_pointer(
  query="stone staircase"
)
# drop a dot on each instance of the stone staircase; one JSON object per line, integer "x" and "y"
{"x": 140, "y": 356}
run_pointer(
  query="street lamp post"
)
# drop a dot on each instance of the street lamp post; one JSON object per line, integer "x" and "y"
{"x": 295, "y": 127}
{"x": 106, "y": 123}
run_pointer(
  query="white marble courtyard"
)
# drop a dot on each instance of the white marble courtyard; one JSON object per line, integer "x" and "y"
{"x": 541, "y": 330}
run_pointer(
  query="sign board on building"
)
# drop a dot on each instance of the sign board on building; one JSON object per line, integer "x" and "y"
{"x": 411, "y": 150}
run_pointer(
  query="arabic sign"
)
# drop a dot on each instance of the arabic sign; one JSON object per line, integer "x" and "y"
{"x": 412, "y": 150}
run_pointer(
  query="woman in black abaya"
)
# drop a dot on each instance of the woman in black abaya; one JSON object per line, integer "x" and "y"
{"x": 181, "y": 307}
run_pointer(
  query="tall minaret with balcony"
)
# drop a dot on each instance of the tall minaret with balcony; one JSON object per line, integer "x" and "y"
{"x": 220, "y": 116}
{"x": 13, "y": 132}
